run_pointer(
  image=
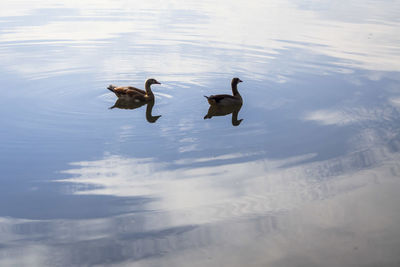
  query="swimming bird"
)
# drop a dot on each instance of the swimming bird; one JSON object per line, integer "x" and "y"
{"x": 236, "y": 98}
{"x": 134, "y": 93}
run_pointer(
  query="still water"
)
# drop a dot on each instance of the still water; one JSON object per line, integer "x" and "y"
{"x": 308, "y": 177}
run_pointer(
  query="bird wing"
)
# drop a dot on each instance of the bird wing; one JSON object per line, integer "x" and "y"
{"x": 218, "y": 98}
{"x": 134, "y": 89}
{"x": 129, "y": 90}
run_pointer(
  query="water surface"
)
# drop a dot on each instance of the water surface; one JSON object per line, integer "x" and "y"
{"x": 310, "y": 176}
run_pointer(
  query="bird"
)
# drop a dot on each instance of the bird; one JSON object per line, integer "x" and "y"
{"x": 133, "y": 93}
{"x": 236, "y": 98}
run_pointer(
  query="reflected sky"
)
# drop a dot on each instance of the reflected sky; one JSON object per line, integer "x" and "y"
{"x": 309, "y": 178}
{"x": 324, "y": 210}
{"x": 177, "y": 30}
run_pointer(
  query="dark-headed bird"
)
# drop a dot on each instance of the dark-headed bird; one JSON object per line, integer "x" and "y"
{"x": 234, "y": 99}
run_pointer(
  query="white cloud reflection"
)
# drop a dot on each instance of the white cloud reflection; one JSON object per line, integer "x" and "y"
{"x": 218, "y": 192}
{"x": 395, "y": 101}
{"x": 347, "y": 116}
{"x": 276, "y": 213}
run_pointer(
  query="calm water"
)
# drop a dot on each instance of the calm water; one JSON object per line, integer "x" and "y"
{"x": 310, "y": 177}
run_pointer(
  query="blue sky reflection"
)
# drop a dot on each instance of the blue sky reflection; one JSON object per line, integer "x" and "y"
{"x": 309, "y": 178}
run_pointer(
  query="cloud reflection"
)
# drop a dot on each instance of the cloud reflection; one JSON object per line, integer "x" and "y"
{"x": 340, "y": 208}
{"x": 219, "y": 192}
{"x": 346, "y": 116}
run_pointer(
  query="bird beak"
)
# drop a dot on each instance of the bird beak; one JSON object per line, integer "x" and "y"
{"x": 240, "y": 81}
{"x": 157, "y": 82}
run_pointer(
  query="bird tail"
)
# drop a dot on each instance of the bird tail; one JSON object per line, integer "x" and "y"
{"x": 210, "y": 100}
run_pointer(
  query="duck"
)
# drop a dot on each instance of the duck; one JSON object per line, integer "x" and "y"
{"x": 133, "y": 93}
{"x": 236, "y": 98}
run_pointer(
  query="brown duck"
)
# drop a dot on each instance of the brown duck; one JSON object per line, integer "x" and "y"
{"x": 133, "y": 93}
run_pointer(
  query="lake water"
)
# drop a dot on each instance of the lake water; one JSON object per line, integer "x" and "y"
{"x": 310, "y": 177}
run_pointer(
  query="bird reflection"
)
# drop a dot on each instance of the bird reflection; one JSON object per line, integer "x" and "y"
{"x": 128, "y": 103}
{"x": 224, "y": 110}
{"x": 221, "y": 105}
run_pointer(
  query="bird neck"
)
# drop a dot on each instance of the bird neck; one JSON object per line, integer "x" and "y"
{"x": 148, "y": 89}
{"x": 235, "y": 91}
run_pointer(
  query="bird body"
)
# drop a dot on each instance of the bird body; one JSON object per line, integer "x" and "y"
{"x": 223, "y": 100}
{"x": 122, "y": 90}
